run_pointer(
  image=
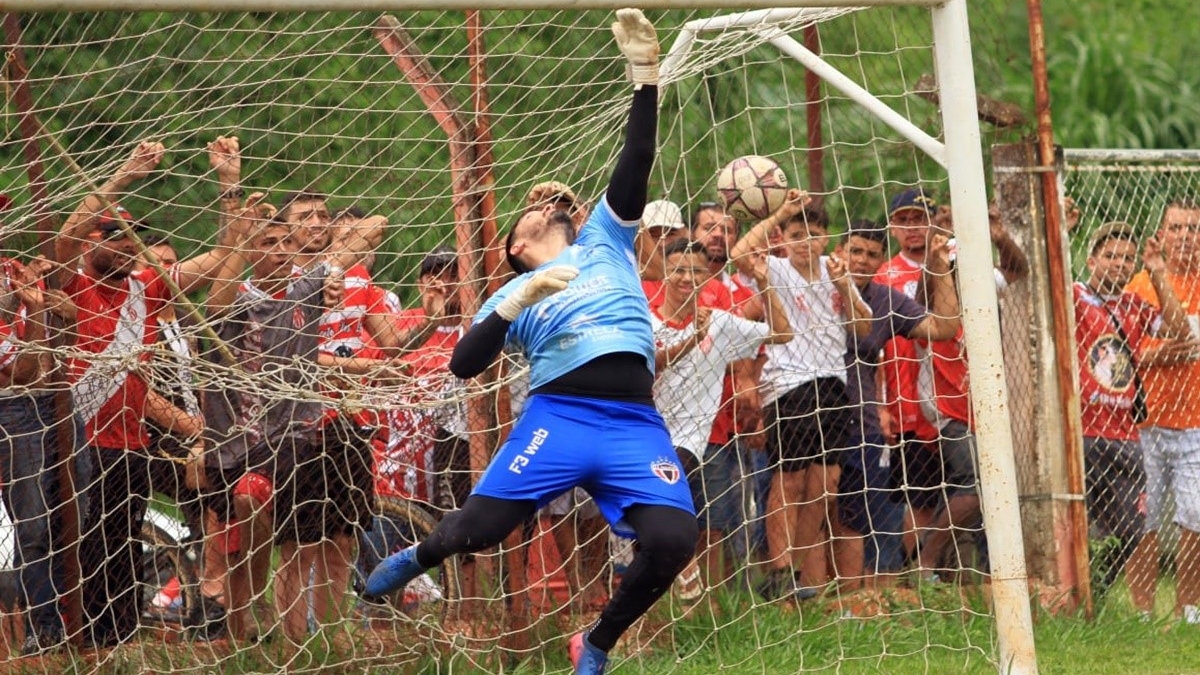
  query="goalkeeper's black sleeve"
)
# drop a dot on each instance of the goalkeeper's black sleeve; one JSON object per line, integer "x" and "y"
{"x": 628, "y": 187}
{"x": 481, "y": 345}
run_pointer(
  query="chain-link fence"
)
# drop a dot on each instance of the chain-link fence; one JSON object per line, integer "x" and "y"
{"x": 1137, "y": 211}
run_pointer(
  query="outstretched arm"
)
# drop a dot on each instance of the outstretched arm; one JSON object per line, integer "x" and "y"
{"x": 758, "y": 239}
{"x": 242, "y": 227}
{"x": 225, "y": 157}
{"x": 68, "y": 245}
{"x": 1175, "y": 321}
{"x": 628, "y": 187}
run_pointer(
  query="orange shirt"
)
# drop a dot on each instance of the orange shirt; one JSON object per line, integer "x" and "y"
{"x": 1172, "y": 392}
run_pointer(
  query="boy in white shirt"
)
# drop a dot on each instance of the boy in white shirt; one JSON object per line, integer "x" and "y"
{"x": 693, "y": 347}
{"x": 807, "y": 411}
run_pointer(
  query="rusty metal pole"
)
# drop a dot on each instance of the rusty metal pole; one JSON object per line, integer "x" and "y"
{"x": 68, "y": 525}
{"x": 1062, "y": 308}
{"x": 812, "y": 109}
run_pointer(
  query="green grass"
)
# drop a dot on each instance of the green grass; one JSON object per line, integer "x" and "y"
{"x": 946, "y": 632}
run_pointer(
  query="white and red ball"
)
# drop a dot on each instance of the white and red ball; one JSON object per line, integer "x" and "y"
{"x": 752, "y": 187}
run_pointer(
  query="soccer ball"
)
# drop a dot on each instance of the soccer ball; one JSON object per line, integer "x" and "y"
{"x": 752, "y": 187}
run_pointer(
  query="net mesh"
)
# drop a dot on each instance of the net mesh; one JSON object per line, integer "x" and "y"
{"x": 318, "y": 102}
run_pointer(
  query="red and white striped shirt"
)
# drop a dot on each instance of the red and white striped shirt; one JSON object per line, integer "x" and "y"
{"x": 114, "y": 328}
{"x": 343, "y": 327}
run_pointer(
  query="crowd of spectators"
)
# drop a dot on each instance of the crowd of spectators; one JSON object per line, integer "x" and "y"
{"x": 815, "y": 389}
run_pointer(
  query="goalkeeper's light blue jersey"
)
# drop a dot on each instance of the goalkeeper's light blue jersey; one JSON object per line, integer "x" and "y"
{"x": 602, "y": 311}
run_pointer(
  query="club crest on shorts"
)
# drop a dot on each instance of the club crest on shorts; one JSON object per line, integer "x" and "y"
{"x": 666, "y": 470}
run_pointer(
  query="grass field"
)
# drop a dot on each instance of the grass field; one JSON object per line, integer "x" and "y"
{"x": 941, "y": 630}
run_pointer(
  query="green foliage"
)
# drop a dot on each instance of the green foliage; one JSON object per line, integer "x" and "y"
{"x": 317, "y": 102}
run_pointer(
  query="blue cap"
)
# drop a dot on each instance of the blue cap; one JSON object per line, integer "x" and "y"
{"x": 912, "y": 199}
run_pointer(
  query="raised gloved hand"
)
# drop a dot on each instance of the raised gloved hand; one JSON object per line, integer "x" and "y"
{"x": 535, "y": 289}
{"x": 638, "y": 41}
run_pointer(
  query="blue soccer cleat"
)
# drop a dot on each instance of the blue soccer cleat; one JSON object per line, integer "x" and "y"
{"x": 586, "y": 658}
{"x": 393, "y": 573}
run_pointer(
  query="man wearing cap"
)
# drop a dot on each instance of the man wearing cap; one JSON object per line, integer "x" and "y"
{"x": 662, "y": 223}
{"x": 115, "y": 322}
{"x": 1109, "y": 324}
{"x": 804, "y": 390}
{"x": 918, "y": 415}
{"x": 1171, "y": 435}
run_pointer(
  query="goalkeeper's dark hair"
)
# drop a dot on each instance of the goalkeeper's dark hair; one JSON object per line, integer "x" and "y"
{"x": 560, "y": 220}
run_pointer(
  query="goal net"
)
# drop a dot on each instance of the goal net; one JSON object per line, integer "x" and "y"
{"x": 444, "y": 123}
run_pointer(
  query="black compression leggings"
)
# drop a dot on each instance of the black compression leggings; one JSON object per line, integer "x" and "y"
{"x": 666, "y": 540}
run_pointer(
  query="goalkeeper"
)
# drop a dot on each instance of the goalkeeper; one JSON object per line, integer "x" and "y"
{"x": 577, "y": 313}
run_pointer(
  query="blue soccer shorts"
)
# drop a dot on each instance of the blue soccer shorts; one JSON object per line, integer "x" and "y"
{"x": 621, "y": 453}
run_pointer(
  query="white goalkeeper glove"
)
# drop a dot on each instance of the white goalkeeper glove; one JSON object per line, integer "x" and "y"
{"x": 638, "y": 41}
{"x": 535, "y": 289}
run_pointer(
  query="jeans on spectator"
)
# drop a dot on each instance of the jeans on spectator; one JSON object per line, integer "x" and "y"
{"x": 110, "y": 548}
{"x": 747, "y": 469}
{"x": 28, "y": 441}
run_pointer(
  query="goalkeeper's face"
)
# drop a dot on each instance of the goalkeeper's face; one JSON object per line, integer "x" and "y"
{"x": 539, "y": 236}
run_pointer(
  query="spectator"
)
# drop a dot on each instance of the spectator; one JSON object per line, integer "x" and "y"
{"x": 271, "y": 452}
{"x": 736, "y": 436}
{"x": 1109, "y": 325}
{"x": 694, "y": 345}
{"x": 804, "y": 381}
{"x": 944, "y": 400}
{"x": 426, "y": 455}
{"x": 28, "y": 441}
{"x": 918, "y": 473}
{"x": 662, "y": 224}
{"x": 171, "y": 376}
{"x": 115, "y": 319}
{"x": 869, "y": 524}
{"x": 591, "y": 352}
{"x": 1171, "y": 436}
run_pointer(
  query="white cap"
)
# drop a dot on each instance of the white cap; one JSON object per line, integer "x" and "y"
{"x": 662, "y": 214}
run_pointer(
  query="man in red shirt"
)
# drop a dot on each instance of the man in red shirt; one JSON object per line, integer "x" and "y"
{"x": 915, "y": 416}
{"x": 661, "y": 225}
{"x": 114, "y": 324}
{"x": 1109, "y": 324}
